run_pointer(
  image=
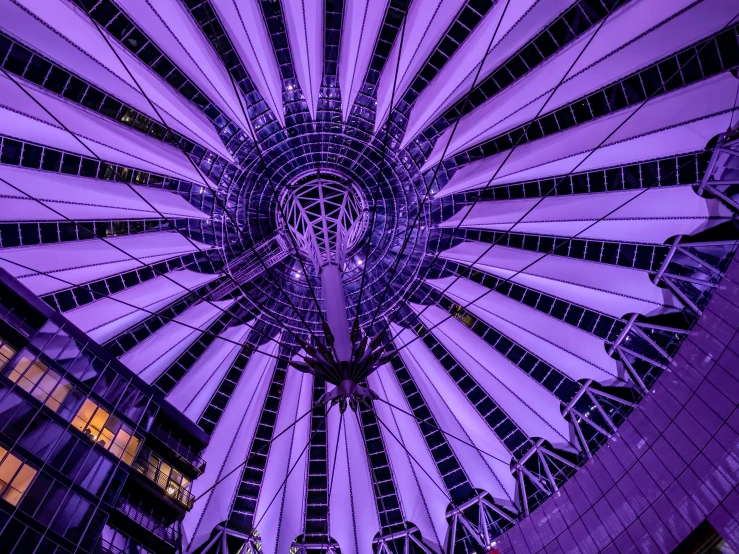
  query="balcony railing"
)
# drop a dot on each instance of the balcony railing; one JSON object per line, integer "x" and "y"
{"x": 171, "y": 488}
{"x": 186, "y": 453}
{"x": 169, "y": 533}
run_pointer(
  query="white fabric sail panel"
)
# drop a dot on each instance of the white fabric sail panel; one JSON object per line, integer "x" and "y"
{"x": 84, "y": 199}
{"x": 78, "y": 262}
{"x": 279, "y": 516}
{"x": 151, "y": 357}
{"x": 421, "y": 489}
{"x": 637, "y": 215}
{"x": 244, "y": 22}
{"x": 506, "y": 28}
{"x": 194, "y": 391}
{"x": 682, "y": 139}
{"x": 531, "y": 407}
{"x": 174, "y": 29}
{"x": 108, "y": 317}
{"x": 353, "y": 519}
{"x": 68, "y": 37}
{"x": 425, "y": 25}
{"x": 228, "y": 448}
{"x": 577, "y": 354}
{"x": 634, "y": 37}
{"x": 361, "y": 24}
{"x": 455, "y": 414}
{"x": 610, "y": 289}
{"x": 682, "y": 121}
{"x": 304, "y": 20}
{"x": 22, "y": 118}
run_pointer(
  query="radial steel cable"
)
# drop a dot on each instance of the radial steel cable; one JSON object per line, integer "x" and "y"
{"x": 260, "y": 154}
{"x": 412, "y": 226}
{"x": 284, "y": 482}
{"x": 74, "y": 135}
{"x": 124, "y": 303}
{"x": 570, "y": 239}
{"x": 257, "y": 451}
{"x": 198, "y": 170}
{"x": 331, "y": 481}
{"x": 510, "y": 153}
{"x": 355, "y": 324}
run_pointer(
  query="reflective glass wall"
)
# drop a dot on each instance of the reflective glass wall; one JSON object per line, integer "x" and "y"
{"x": 91, "y": 457}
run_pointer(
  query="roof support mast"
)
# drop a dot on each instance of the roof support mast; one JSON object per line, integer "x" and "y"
{"x": 328, "y": 216}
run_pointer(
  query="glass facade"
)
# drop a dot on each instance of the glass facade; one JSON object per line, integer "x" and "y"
{"x": 85, "y": 465}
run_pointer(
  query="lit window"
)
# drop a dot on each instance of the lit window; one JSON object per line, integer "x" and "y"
{"x": 172, "y": 481}
{"x": 107, "y": 431}
{"x": 35, "y": 377}
{"x": 15, "y": 477}
{"x": 6, "y": 352}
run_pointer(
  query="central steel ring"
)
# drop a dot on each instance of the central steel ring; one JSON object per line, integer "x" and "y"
{"x": 327, "y": 214}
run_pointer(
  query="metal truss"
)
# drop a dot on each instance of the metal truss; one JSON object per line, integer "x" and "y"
{"x": 253, "y": 263}
{"x": 405, "y": 542}
{"x": 327, "y": 216}
{"x": 691, "y": 270}
{"x": 228, "y": 541}
{"x": 477, "y": 521}
{"x": 702, "y": 263}
{"x": 590, "y": 412}
{"x": 637, "y": 342}
{"x": 722, "y": 175}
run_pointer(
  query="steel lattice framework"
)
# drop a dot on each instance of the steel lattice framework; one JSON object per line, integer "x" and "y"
{"x": 525, "y": 206}
{"x": 327, "y": 217}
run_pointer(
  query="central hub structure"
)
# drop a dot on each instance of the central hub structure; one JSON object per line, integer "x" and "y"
{"x": 328, "y": 216}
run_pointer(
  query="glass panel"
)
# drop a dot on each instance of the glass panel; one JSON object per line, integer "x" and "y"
{"x": 15, "y": 477}
{"x": 83, "y": 416}
{"x": 79, "y": 521}
{"x": 6, "y": 352}
{"x": 20, "y": 484}
{"x": 46, "y": 386}
{"x": 96, "y": 426}
{"x": 62, "y": 348}
{"x": 112, "y": 425}
{"x": 108, "y": 430}
{"x": 64, "y": 399}
{"x": 151, "y": 412}
{"x": 49, "y": 506}
{"x": 120, "y": 441}
{"x": 41, "y": 436}
{"x": 67, "y": 512}
{"x": 131, "y": 448}
{"x": 110, "y": 386}
{"x": 133, "y": 403}
{"x": 151, "y": 470}
{"x": 47, "y": 332}
{"x": 176, "y": 476}
{"x": 95, "y": 474}
{"x": 27, "y": 371}
{"x": 165, "y": 469}
{"x": 8, "y": 469}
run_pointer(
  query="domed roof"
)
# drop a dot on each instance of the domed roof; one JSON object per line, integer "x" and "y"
{"x": 528, "y": 202}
